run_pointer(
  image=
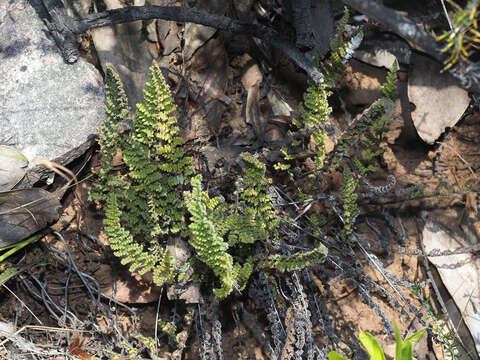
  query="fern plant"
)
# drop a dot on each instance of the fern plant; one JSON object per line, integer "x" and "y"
{"x": 210, "y": 247}
{"x": 144, "y": 203}
{"x": 350, "y": 207}
{"x": 253, "y": 217}
{"x": 315, "y": 110}
{"x": 143, "y": 179}
{"x": 369, "y": 129}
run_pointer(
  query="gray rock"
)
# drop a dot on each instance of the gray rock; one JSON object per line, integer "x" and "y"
{"x": 48, "y": 109}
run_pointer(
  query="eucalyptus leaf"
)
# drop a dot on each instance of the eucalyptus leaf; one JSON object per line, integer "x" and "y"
{"x": 13, "y": 165}
{"x": 24, "y": 212}
{"x": 7, "y": 274}
{"x": 404, "y": 351}
{"x": 373, "y": 348}
{"x": 415, "y": 337}
{"x": 333, "y": 355}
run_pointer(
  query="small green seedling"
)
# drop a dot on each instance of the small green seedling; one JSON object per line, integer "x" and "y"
{"x": 403, "y": 350}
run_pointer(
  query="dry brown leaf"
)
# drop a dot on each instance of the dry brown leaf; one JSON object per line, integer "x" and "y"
{"x": 24, "y": 212}
{"x": 129, "y": 288}
{"x": 251, "y": 80}
{"x": 439, "y": 101}
{"x": 75, "y": 347}
{"x": 13, "y": 165}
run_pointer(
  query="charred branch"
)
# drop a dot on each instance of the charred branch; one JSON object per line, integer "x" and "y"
{"x": 182, "y": 14}
{"x": 302, "y": 20}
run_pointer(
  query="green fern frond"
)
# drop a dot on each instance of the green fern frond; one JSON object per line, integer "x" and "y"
{"x": 314, "y": 113}
{"x": 209, "y": 246}
{"x": 111, "y": 138}
{"x": 243, "y": 273}
{"x": 340, "y": 50}
{"x": 156, "y": 160}
{"x": 337, "y": 41}
{"x": 389, "y": 88}
{"x": 122, "y": 242}
{"x": 164, "y": 271}
{"x": 297, "y": 261}
{"x": 350, "y": 207}
{"x": 254, "y": 218}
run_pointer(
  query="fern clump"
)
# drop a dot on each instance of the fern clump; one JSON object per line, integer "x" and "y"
{"x": 144, "y": 202}
{"x": 219, "y": 229}
{"x": 144, "y": 180}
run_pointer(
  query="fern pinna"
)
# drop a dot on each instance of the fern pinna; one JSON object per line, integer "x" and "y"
{"x": 144, "y": 202}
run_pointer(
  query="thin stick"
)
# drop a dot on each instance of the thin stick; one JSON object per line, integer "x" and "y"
{"x": 446, "y": 14}
{"x": 25, "y": 305}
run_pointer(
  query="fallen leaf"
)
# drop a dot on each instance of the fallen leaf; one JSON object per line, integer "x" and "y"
{"x": 459, "y": 274}
{"x": 439, "y": 102}
{"x": 13, "y": 165}
{"x": 251, "y": 80}
{"x": 24, "y": 212}
{"x": 75, "y": 347}
{"x": 279, "y": 106}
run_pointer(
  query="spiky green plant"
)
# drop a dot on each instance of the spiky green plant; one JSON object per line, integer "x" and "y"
{"x": 369, "y": 130}
{"x": 253, "y": 217}
{"x": 463, "y": 40}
